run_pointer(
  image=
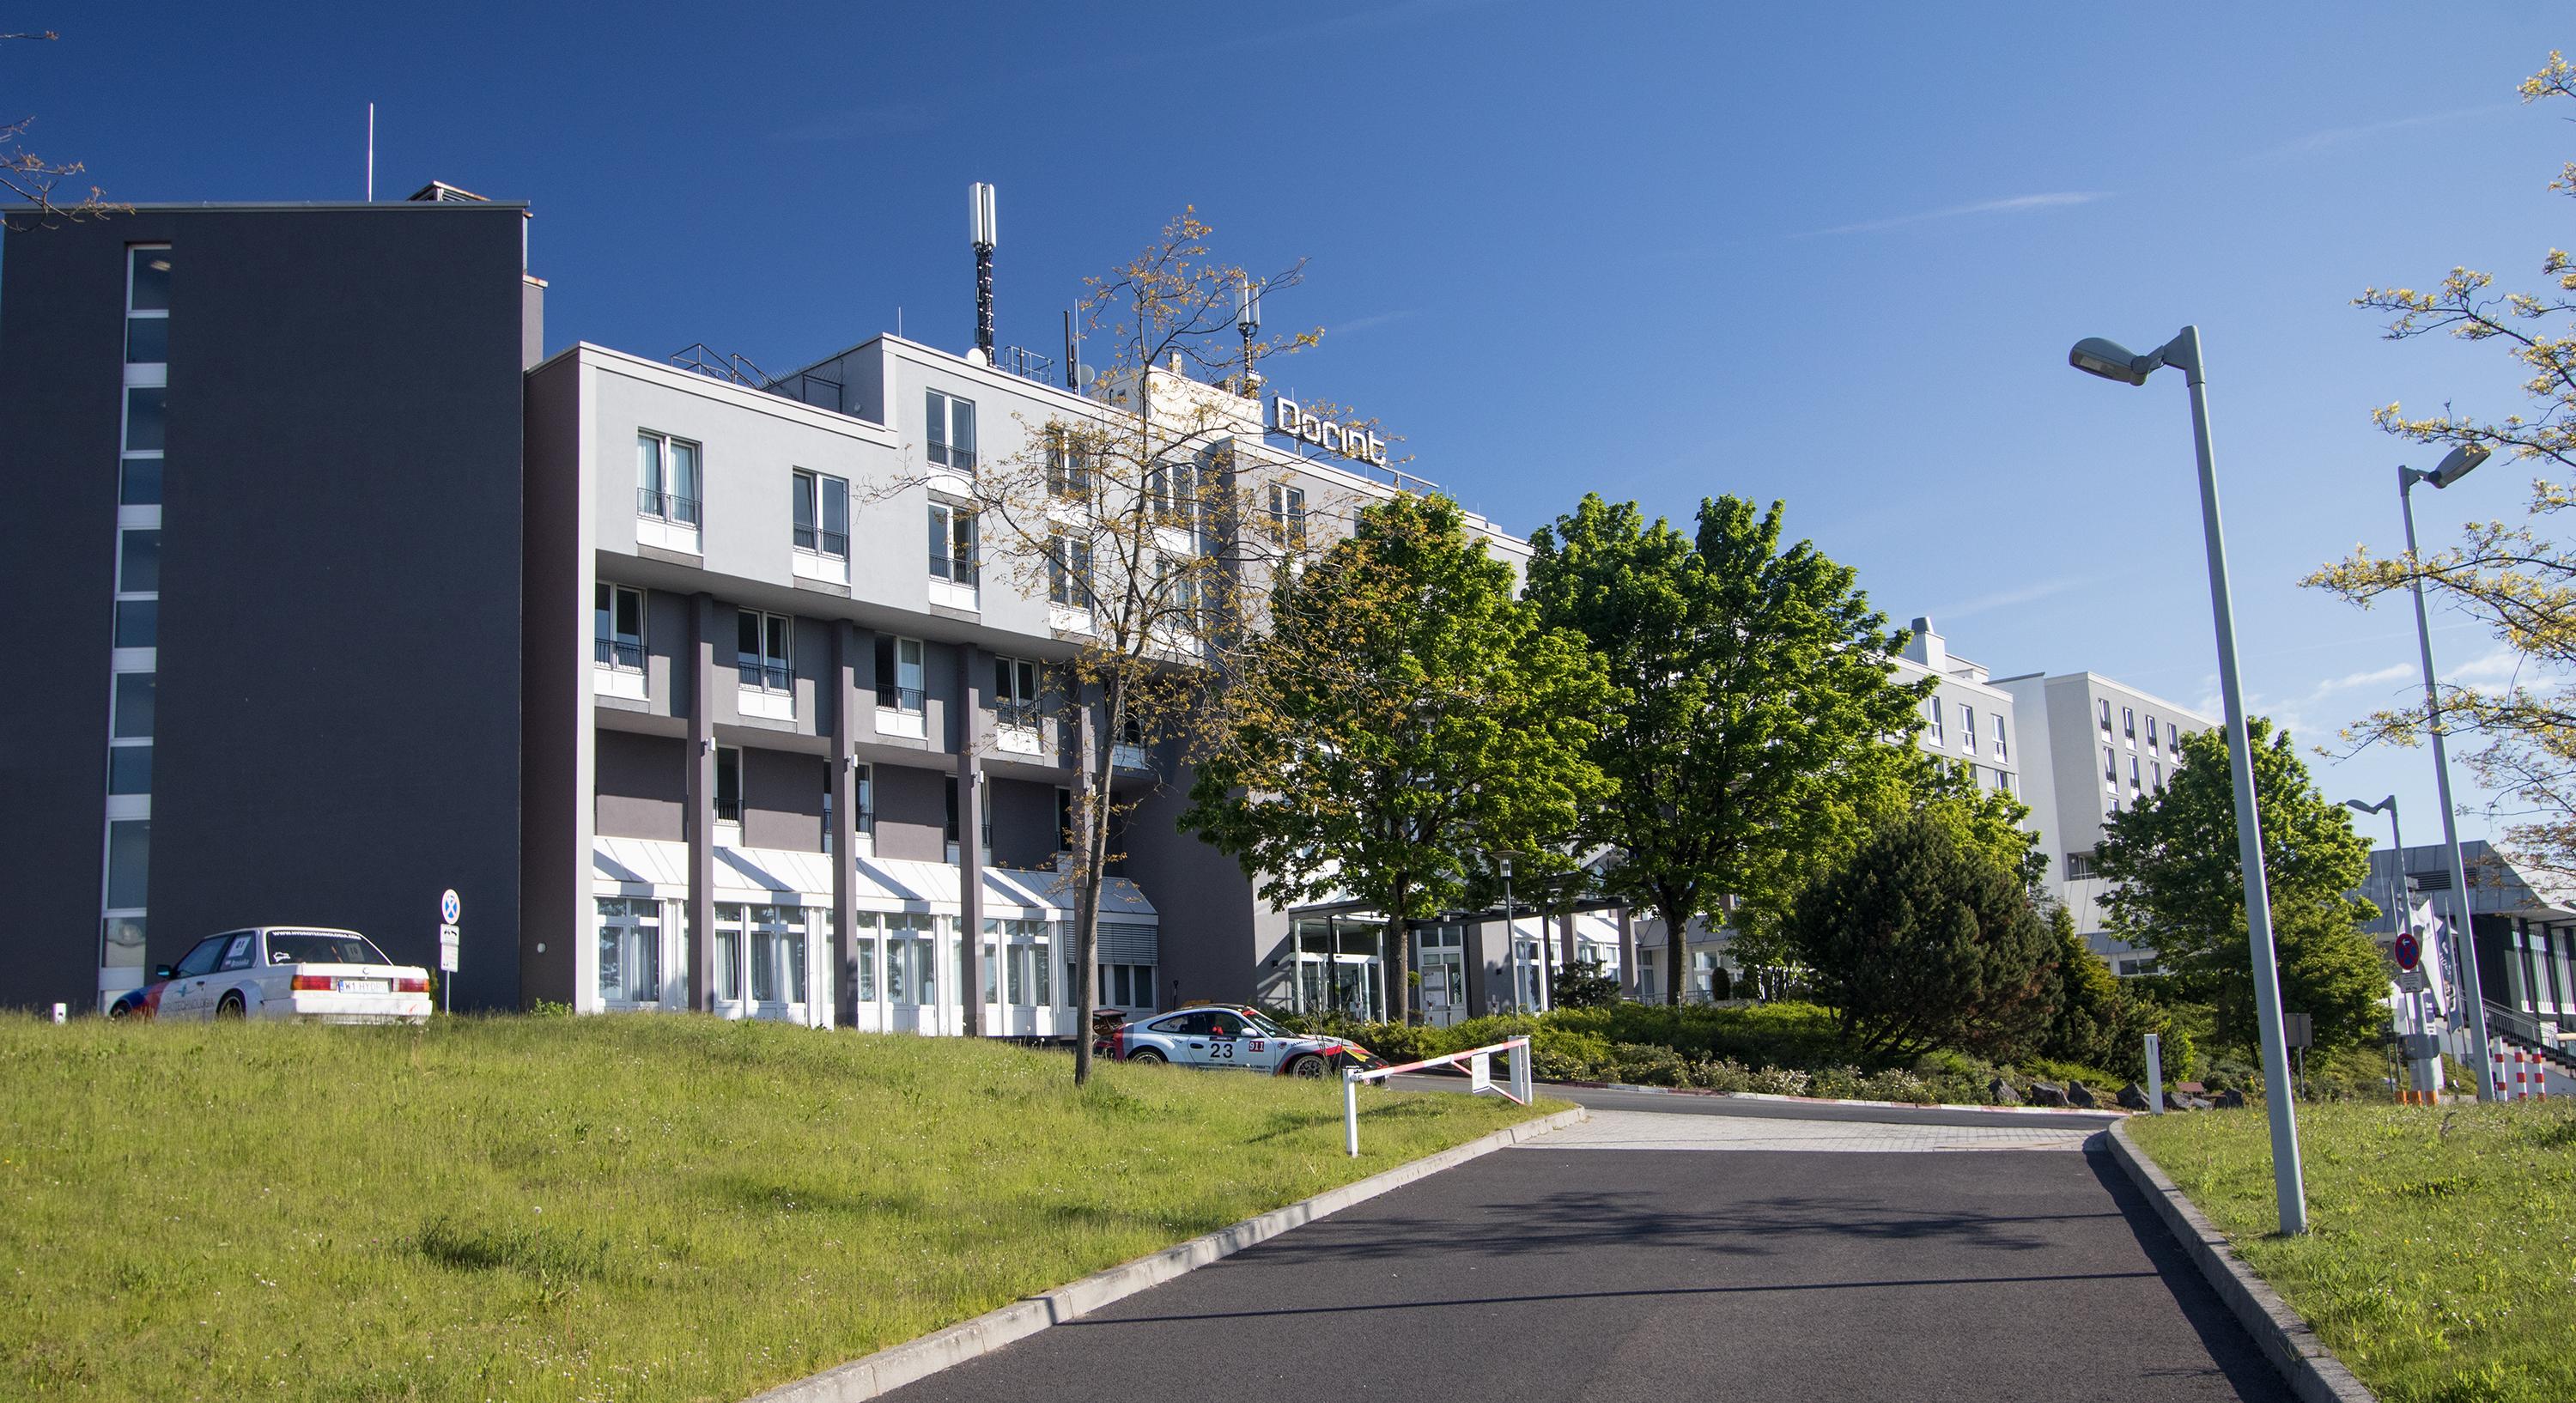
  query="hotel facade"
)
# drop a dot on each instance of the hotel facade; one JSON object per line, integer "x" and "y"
{"x": 697, "y": 688}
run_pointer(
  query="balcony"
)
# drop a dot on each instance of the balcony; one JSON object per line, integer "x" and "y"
{"x": 903, "y": 711}
{"x": 1016, "y": 728}
{"x": 666, "y": 520}
{"x": 768, "y": 690}
{"x": 618, "y": 667}
{"x": 821, "y": 555}
{"x": 952, "y": 582}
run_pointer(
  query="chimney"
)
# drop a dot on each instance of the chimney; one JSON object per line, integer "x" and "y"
{"x": 980, "y": 201}
{"x": 1925, "y": 647}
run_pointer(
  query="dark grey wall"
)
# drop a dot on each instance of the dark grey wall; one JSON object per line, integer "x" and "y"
{"x": 782, "y": 799}
{"x": 340, "y": 662}
{"x": 643, "y": 786}
{"x": 62, "y": 348}
{"x": 1204, "y": 903}
{"x": 1023, "y": 824}
{"x": 912, "y": 813}
{"x": 554, "y": 705}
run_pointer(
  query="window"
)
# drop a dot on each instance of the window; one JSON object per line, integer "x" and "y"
{"x": 129, "y": 744}
{"x": 863, "y": 954}
{"x": 2159, "y": 772}
{"x": 1932, "y": 708}
{"x": 728, "y": 784}
{"x": 1017, "y": 966}
{"x": 822, "y": 513}
{"x": 951, "y": 430}
{"x": 2004, "y": 781}
{"x": 1068, "y": 572}
{"x": 1172, "y": 491}
{"x": 863, "y": 788}
{"x": 617, "y": 626}
{"x": 138, "y": 588}
{"x": 899, "y": 673}
{"x": 1288, "y": 514}
{"x": 2134, "y": 781}
{"x": 2151, "y": 730}
{"x": 146, "y": 418}
{"x": 666, "y": 478}
{"x": 912, "y": 969}
{"x": 2079, "y": 867}
{"x": 2110, "y": 765}
{"x": 1069, "y": 470}
{"x": 630, "y": 949}
{"x": 129, "y": 863}
{"x": 2129, "y": 722}
{"x": 2001, "y": 753}
{"x": 952, "y": 544}
{"x": 760, "y": 647}
{"x": 1015, "y": 692}
{"x": 2106, "y": 716}
{"x": 951, "y": 828}
{"x": 1127, "y": 986}
{"x": 1968, "y": 729}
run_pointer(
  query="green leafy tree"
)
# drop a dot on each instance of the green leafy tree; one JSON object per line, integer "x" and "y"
{"x": 1747, "y": 680}
{"x": 1918, "y": 940}
{"x": 2088, "y": 1015}
{"x": 1401, "y": 719}
{"x": 2178, "y": 886}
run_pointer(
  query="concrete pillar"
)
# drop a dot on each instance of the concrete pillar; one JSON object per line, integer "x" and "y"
{"x": 843, "y": 760}
{"x": 1567, "y": 946}
{"x": 701, "y": 923}
{"x": 967, "y": 728}
{"x": 1628, "y": 953}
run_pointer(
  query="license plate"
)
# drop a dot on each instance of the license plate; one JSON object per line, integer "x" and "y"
{"x": 366, "y": 986}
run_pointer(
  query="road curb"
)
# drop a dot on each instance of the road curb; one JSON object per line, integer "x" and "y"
{"x": 2312, "y": 1370}
{"x": 891, "y": 1368}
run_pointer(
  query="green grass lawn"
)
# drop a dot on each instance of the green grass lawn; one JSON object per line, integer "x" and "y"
{"x": 2440, "y": 1263}
{"x": 636, "y": 1207}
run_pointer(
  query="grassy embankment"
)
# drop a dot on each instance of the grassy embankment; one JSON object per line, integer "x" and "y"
{"x": 2441, "y": 1258}
{"x": 607, "y": 1208}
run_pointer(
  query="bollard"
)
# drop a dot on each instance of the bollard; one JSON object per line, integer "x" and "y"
{"x": 2155, "y": 1074}
{"x": 1351, "y": 1112}
{"x": 62, "y": 1012}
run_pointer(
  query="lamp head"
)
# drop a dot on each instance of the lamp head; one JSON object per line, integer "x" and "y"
{"x": 2381, "y": 807}
{"x": 2112, "y": 361}
{"x": 2458, "y": 464}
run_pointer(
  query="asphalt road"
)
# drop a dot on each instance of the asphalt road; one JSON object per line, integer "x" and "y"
{"x": 1615, "y": 1274}
{"x": 1607, "y": 1099}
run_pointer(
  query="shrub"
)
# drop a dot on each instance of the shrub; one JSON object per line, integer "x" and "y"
{"x": 1585, "y": 984}
{"x": 1779, "y": 1081}
{"x": 1719, "y": 1074}
{"x": 1644, "y": 1064}
{"x": 1562, "y": 1054}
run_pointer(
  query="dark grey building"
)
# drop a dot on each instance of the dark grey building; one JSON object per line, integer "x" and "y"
{"x": 264, "y": 555}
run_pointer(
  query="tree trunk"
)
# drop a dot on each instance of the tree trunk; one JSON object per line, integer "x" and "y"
{"x": 1399, "y": 970}
{"x": 1676, "y": 951}
{"x": 1091, "y": 867}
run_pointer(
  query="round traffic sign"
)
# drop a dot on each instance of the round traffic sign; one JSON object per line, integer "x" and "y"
{"x": 2409, "y": 949}
{"x": 448, "y": 907}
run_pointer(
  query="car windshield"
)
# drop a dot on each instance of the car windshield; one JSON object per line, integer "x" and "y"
{"x": 1264, "y": 1026}
{"x": 319, "y": 947}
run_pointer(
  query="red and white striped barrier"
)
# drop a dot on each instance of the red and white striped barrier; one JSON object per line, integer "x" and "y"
{"x": 1480, "y": 1078}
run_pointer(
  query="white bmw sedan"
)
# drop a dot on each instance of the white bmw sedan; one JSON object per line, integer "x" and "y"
{"x": 328, "y": 976}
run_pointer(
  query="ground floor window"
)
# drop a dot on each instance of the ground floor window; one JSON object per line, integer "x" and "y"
{"x": 1440, "y": 961}
{"x": 912, "y": 959}
{"x": 863, "y": 955}
{"x": 630, "y": 949}
{"x": 1017, "y": 962}
{"x": 1127, "y": 986}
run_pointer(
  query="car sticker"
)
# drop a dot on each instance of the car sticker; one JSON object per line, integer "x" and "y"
{"x": 1256, "y": 1044}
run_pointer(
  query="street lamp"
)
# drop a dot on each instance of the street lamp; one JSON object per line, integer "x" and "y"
{"x": 2112, "y": 361}
{"x": 2454, "y": 466}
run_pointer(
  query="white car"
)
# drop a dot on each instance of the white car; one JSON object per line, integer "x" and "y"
{"x": 329, "y": 976}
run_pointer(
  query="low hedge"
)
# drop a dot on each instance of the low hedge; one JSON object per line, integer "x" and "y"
{"x": 1785, "y": 1049}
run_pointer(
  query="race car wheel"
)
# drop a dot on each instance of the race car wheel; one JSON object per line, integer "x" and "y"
{"x": 118, "y": 1010}
{"x": 1144, "y": 1055}
{"x": 1309, "y": 1065}
{"x": 231, "y": 1007}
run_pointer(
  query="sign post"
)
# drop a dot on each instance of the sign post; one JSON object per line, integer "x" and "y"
{"x": 2155, "y": 1074}
{"x": 449, "y": 910}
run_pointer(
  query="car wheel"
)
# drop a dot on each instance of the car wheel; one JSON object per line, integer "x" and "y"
{"x": 231, "y": 1007}
{"x": 119, "y": 1009}
{"x": 1309, "y": 1066}
{"x": 1144, "y": 1055}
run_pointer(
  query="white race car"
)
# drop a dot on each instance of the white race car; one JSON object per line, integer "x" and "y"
{"x": 330, "y": 976}
{"x": 1230, "y": 1035}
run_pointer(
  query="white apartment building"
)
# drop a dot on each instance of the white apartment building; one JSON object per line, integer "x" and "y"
{"x": 2101, "y": 746}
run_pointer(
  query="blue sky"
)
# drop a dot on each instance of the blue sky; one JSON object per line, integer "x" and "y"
{"x": 1657, "y": 251}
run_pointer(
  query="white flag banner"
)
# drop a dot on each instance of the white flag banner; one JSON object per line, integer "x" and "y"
{"x": 2435, "y": 935}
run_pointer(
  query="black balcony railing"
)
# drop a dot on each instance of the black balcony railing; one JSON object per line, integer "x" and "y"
{"x": 899, "y": 698}
{"x": 666, "y": 506}
{"x": 832, "y": 543}
{"x": 627, "y": 653}
{"x": 1018, "y": 715}
{"x": 766, "y": 675}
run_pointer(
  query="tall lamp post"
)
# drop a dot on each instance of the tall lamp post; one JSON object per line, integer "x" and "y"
{"x": 2112, "y": 361}
{"x": 2453, "y": 467}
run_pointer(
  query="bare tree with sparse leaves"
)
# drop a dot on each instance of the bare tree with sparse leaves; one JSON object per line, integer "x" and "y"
{"x": 34, "y": 178}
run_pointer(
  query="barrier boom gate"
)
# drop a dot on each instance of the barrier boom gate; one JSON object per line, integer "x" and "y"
{"x": 1480, "y": 1079}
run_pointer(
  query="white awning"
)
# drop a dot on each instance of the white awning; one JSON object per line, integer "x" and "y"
{"x": 648, "y": 866}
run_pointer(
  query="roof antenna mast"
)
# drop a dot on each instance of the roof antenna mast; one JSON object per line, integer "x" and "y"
{"x": 980, "y": 201}
{"x": 371, "y": 153}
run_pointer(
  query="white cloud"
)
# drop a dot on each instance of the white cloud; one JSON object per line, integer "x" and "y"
{"x": 2005, "y": 599}
{"x": 2337, "y": 136}
{"x": 2017, "y": 204}
{"x": 1374, "y": 319}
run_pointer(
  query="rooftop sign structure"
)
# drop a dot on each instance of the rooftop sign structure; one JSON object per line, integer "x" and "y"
{"x": 1290, "y": 418}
